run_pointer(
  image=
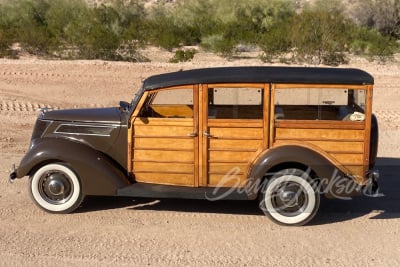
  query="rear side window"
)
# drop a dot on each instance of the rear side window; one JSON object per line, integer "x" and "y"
{"x": 320, "y": 104}
{"x": 235, "y": 103}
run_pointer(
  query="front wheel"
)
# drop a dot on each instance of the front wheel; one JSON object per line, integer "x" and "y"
{"x": 290, "y": 198}
{"x": 56, "y": 188}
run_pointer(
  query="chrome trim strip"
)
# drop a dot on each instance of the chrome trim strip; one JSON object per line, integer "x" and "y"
{"x": 88, "y": 126}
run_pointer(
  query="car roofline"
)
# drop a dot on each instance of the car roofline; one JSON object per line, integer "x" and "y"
{"x": 260, "y": 74}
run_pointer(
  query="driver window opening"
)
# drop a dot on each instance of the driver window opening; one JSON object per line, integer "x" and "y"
{"x": 172, "y": 103}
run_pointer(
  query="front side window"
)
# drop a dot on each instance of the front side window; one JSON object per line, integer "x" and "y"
{"x": 171, "y": 103}
{"x": 320, "y": 104}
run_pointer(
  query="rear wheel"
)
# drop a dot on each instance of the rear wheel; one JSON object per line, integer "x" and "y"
{"x": 56, "y": 188}
{"x": 290, "y": 198}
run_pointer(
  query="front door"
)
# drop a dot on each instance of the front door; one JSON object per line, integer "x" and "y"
{"x": 232, "y": 132}
{"x": 164, "y": 145}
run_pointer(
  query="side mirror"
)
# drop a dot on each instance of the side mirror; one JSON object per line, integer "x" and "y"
{"x": 124, "y": 105}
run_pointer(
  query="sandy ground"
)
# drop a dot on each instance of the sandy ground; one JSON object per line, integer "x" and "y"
{"x": 127, "y": 232}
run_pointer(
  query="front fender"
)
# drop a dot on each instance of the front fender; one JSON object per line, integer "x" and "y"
{"x": 334, "y": 182}
{"x": 99, "y": 175}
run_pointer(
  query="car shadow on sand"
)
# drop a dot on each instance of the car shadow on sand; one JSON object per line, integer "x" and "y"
{"x": 331, "y": 210}
{"x": 386, "y": 206}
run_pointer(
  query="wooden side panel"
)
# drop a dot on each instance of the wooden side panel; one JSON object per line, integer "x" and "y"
{"x": 345, "y": 146}
{"x": 230, "y": 150}
{"x": 164, "y": 151}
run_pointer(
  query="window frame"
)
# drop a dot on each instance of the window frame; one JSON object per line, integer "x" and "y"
{"x": 238, "y": 86}
{"x": 322, "y": 123}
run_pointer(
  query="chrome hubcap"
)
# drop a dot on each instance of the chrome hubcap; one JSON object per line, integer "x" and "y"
{"x": 55, "y": 187}
{"x": 289, "y": 199}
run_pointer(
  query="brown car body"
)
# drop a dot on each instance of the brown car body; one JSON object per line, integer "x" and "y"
{"x": 216, "y": 133}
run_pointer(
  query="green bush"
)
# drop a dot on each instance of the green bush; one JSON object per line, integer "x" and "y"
{"x": 318, "y": 33}
{"x": 372, "y": 44}
{"x": 183, "y": 55}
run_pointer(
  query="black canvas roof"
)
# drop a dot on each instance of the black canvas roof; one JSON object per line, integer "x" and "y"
{"x": 260, "y": 75}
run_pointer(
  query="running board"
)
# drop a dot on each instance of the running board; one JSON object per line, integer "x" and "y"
{"x": 170, "y": 191}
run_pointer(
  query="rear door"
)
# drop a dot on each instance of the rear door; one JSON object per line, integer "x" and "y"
{"x": 232, "y": 132}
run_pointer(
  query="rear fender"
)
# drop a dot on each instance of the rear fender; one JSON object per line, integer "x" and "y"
{"x": 333, "y": 182}
{"x": 99, "y": 175}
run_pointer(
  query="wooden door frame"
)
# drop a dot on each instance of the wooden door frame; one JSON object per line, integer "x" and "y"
{"x": 203, "y": 122}
{"x": 195, "y": 129}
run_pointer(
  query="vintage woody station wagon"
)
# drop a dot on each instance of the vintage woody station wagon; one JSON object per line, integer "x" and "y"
{"x": 283, "y": 135}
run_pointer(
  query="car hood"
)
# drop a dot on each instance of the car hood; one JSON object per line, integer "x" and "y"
{"x": 98, "y": 115}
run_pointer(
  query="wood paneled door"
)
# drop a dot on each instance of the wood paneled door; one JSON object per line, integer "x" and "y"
{"x": 165, "y": 139}
{"x": 232, "y": 132}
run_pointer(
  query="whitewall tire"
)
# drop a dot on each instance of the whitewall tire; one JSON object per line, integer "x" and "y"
{"x": 56, "y": 188}
{"x": 290, "y": 198}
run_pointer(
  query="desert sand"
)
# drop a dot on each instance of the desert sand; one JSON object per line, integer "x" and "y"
{"x": 364, "y": 231}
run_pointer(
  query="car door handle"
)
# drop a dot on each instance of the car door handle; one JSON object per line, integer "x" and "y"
{"x": 195, "y": 134}
{"x": 208, "y": 135}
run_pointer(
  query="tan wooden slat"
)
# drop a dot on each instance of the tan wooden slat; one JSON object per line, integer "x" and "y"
{"x": 321, "y": 124}
{"x": 229, "y": 156}
{"x": 184, "y": 122}
{"x": 203, "y": 141}
{"x": 160, "y": 131}
{"x": 163, "y": 167}
{"x": 349, "y": 159}
{"x": 234, "y": 144}
{"x": 319, "y": 86}
{"x": 160, "y": 143}
{"x": 256, "y": 133}
{"x": 266, "y": 115}
{"x": 163, "y": 156}
{"x": 319, "y": 134}
{"x": 227, "y": 180}
{"x": 334, "y": 146}
{"x": 356, "y": 170}
{"x": 340, "y": 146}
{"x": 367, "y": 135}
{"x": 239, "y": 123}
{"x": 224, "y": 168}
{"x": 165, "y": 178}
{"x": 236, "y": 85}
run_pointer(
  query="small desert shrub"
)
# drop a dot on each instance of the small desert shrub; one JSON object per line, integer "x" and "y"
{"x": 373, "y": 44}
{"x": 183, "y": 55}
